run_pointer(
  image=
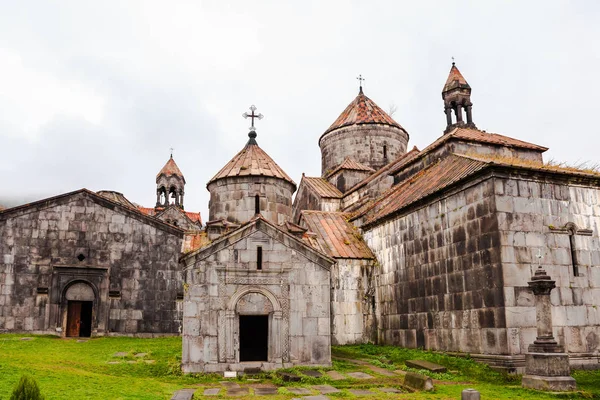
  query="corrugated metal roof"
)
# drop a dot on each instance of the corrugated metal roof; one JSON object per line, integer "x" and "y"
{"x": 335, "y": 235}
{"x": 362, "y": 110}
{"x": 435, "y": 177}
{"x": 252, "y": 161}
{"x": 352, "y": 165}
{"x": 322, "y": 187}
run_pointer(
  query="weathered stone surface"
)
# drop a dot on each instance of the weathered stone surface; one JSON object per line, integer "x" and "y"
{"x": 418, "y": 381}
{"x": 361, "y": 392}
{"x": 184, "y": 394}
{"x": 335, "y": 376}
{"x": 549, "y": 383}
{"x": 239, "y": 391}
{"x": 289, "y": 377}
{"x": 140, "y": 355}
{"x": 470, "y": 394}
{"x": 264, "y": 391}
{"x": 359, "y": 375}
{"x": 390, "y": 390}
{"x": 298, "y": 390}
{"x": 211, "y": 392}
{"x": 312, "y": 373}
{"x": 325, "y": 389}
{"x": 422, "y": 364}
{"x": 121, "y": 354}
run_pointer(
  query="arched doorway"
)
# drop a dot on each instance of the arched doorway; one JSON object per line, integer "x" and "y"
{"x": 80, "y": 298}
{"x": 254, "y": 310}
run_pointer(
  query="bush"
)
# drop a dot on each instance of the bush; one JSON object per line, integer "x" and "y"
{"x": 27, "y": 389}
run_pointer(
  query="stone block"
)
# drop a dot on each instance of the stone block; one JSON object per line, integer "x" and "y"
{"x": 549, "y": 383}
{"x": 426, "y": 365}
{"x": 418, "y": 381}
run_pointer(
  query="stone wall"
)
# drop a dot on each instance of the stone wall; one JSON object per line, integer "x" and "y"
{"x": 439, "y": 284}
{"x": 233, "y": 199}
{"x": 538, "y": 216}
{"x": 130, "y": 262}
{"x": 352, "y": 301}
{"x": 346, "y": 179}
{"x": 363, "y": 143}
{"x": 292, "y": 288}
{"x": 307, "y": 199}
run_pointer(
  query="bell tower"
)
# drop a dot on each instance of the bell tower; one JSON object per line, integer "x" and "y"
{"x": 457, "y": 98}
{"x": 170, "y": 185}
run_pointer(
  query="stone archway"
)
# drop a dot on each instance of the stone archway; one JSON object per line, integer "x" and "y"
{"x": 253, "y": 311}
{"x": 79, "y": 300}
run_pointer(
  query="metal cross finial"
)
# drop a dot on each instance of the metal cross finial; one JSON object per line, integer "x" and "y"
{"x": 172, "y": 152}
{"x": 360, "y": 80}
{"x": 252, "y": 115}
{"x": 453, "y": 61}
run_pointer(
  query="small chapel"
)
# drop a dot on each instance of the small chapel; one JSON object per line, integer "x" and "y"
{"x": 422, "y": 248}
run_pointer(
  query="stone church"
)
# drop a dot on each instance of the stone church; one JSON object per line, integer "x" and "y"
{"x": 428, "y": 248}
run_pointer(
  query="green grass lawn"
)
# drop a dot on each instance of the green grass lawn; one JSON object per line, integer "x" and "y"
{"x": 68, "y": 369}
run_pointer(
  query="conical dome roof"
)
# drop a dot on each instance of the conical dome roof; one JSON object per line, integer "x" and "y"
{"x": 170, "y": 169}
{"x": 252, "y": 161}
{"x": 362, "y": 110}
{"x": 455, "y": 80}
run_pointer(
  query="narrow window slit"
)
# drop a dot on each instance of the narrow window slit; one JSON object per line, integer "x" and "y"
{"x": 573, "y": 254}
{"x": 257, "y": 204}
{"x": 259, "y": 258}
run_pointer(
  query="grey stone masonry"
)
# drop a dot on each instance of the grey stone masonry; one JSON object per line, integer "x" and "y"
{"x": 289, "y": 286}
{"x": 81, "y": 246}
{"x": 364, "y": 144}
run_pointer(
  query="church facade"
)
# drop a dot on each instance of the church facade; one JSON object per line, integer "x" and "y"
{"x": 428, "y": 248}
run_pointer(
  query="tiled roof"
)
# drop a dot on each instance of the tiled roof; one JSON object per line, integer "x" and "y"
{"x": 147, "y": 210}
{"x": 398, "y": 163}
{"x": 350, "y": 164}
{"x": 194, "y": 216}
{"x": 335, "y": 235}
{"x": 322, "y": 187}
{"x": 455, "y": 80}
{"x": 170, "y": 168}
{"x": 435, "y": 177}
{"x": 476, "y": 135}
{"x": 362, "y": 110}
{"x": 252, "y": 161}
{"x": 195, "y": 241}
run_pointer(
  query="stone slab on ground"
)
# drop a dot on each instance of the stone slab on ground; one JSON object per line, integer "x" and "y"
{"x": 264, "y": 391}
{"x": 400, "y": 372}
{"x": 335, "y": 376}
{"x": 312, "y": 373}
{"x": 239, "y": 391}
{"x": 183, "y": 394}
{"x": 391, "y": 390}
{"x": 319, "y": 397}
{"x": 359, "y": 375}
{"x": 30, "y": 338}
{"x": 211, "y": 391}
{"x": 298, "y": 390}
{"x": 140, "y": 354}
{"x": 422, "y": 364}
{"x": 230, "y": 385}
{"x": 114, "y": 362}
{"x": 287, "y": 377}
{"x": 325, "y": 389}
{"x": 120, "y": 354}
{"x": 418, "y": 381}
{"x": 361, "y": 392}
{"x": 381, "y": 371}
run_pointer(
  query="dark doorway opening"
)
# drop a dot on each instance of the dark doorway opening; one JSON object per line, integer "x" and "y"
{"x": 79, "y": 319}
{"x": 254, "y": 337}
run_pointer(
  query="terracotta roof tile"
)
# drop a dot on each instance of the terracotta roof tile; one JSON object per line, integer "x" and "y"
{"x": 435, "y": 177}
{"x": 322, "y": 187}
{"x": 455, "y": 80}
{"x": 147, "y": 210}
{"x": 195, "y": 241}
{"x": 170, "y": 168}
{"x": 352, "y": 165}
{"x": 362, "y": 110}
{"x": 336, "y": 236}
{"x": 252, "y": 161}
{"x": 116, "y": 197}
{"x": 476, "y": 135}
{"x": 193, "y": 216}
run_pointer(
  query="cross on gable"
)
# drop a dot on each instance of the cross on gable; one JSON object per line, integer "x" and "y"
{"x": 252, "y": 116}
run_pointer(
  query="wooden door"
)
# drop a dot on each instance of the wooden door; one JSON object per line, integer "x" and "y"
{"x": 73, "y": 318}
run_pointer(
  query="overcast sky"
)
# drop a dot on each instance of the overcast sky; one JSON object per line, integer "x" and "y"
{"x": 94, "y": 93}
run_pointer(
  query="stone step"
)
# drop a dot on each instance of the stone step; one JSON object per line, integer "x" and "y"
{"x": 422, "y": 364}
{"x": 183, "y": 394}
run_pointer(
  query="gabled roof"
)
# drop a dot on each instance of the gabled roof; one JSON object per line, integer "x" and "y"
{"x": 350, "y": 164}
{"x": 455, "y": 80}
{"x": 98, "y": 199}
{"x": 195, "y": 217}
{"x": 258, "y": 222}
{"x": 433, "y": 178}
{"x": 251, "y": 161}
{"x": 362, "y": 110}
{"x": 475, "y": 135}
{"x": 322, "y": 187}
{"x": 336, "y": 236}
{"x": 170, "y": 169}
{"x": 117, "y": 197}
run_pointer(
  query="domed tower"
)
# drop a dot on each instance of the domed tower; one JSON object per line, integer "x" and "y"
{"x": 364, "y": 133}
{"x": 169, "y": 185}
{"x": 457, "y": 97}
{"x": 251, "y": 183}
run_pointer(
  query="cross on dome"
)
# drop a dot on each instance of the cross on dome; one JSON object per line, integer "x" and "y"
{"x": 252, "y": 115}
{"x": 360, "y": 80}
